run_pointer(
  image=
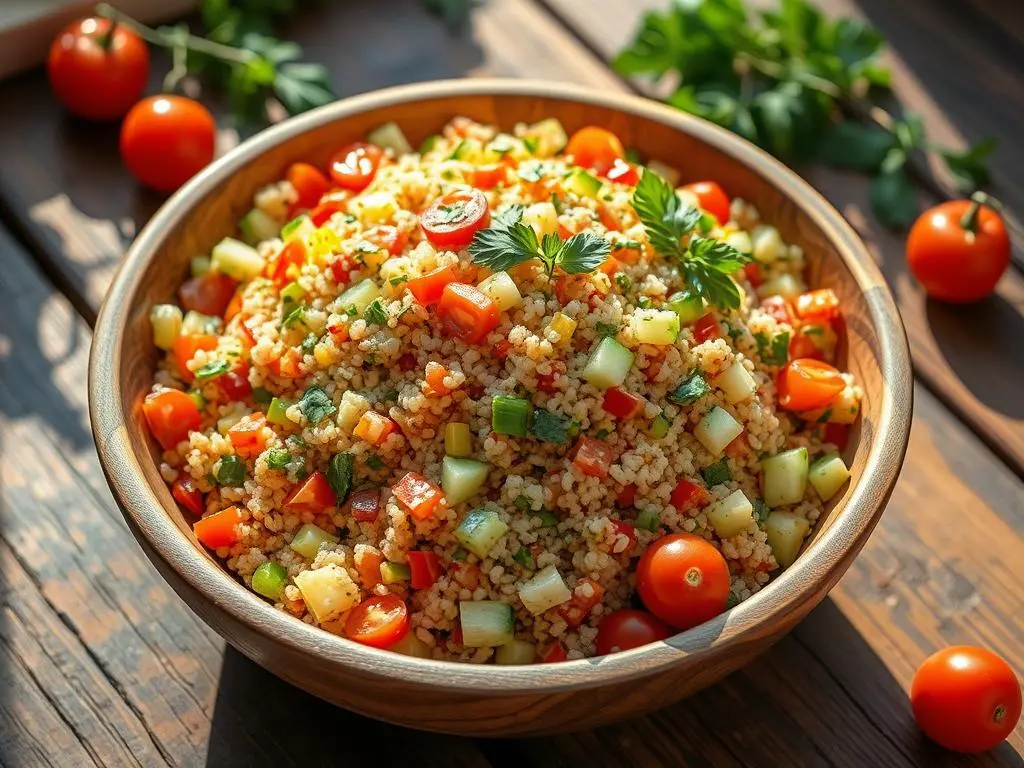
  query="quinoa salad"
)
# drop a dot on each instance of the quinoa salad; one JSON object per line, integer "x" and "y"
{"x": 510, "y": 397}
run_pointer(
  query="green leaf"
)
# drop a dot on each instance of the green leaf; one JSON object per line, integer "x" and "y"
{"x": 549, "y": 427}
{"x": 909, "y": 133}
{"x": 583, "y": 253}
{"x": 969, "y": 167}
{"x": 278, "y": 459}
{"x": 606, "y": 329}
{"x": 375, "y": 313}
{"x": 655, "y": 46}
{"x": 772, "y": 350}
{"x": 893, "y": 197}
{"x": 339, "y": 475}
{"x": 301, "y": 87}
{"x": 315, "y": 405}
{"x": 375, "y": 462}
{"x": 230, "y": 471}
{"x": 688, "y": 391}
{"x": 853, "y": 146}
{"x": 662, "y": 214}
{"x": 212, "y": 370}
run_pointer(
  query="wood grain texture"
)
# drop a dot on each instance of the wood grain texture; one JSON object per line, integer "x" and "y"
{"x": 966, "y": 102}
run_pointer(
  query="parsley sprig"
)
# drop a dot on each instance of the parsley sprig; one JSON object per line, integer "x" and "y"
{"x": 508, "y": 242}
{"x": 705, "y": 264}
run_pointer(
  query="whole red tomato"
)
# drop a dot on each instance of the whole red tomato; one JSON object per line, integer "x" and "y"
{"x": 683, "y": 580}
{"x": 627, "y": 628}
{"x": 965, "y": 699}
{"x": 959, "y": 250}
{"x": 166, "y": 140}
{"x": 97, "y": 72}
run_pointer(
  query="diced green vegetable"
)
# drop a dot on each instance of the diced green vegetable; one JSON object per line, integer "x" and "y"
{"x": 196, "y": 324}
{"x": 198, "y": 399}
{"x": 309, "y": 538}
{"x": 549, "y": 137}
{"x": 732, "y": 515}
{"x": 689, "y": 390}
{"x": 212, "y": 370}
{"x": 659, "y": 427}
{"x": 785, "y": 477}
{"x": 461, "y": 479}
{"x": 298, "y": 227}
{"x": 457, "y": 439}
{"x": 269, "y": 580}
{"x": 549, "y": 427}
{"x": 256, "y": 227}
{"x": 392, "y": 573}
{"x": 516, "y": 652}
{"x": 786, "y": 533}
{"x": 608, "y": 364}
{"x": 236, "y": 259}
{"x": 466, "y": 150}
{"x": 278, "y": 459}
{"x": 510, "y": 416}
{"x": 545, "y": 590}
{"x": 429, "y": 143}
{"x": 524, "y": 558}
{"x": 655, "y": 326}
{"x": 316, "y": 405}
{"x": 581, "y": 183}
{"x": 502, "y": 290}
{"x": 199, "y": 265}
{"x": 261, "y": 396}
{"x": 480, "y": 530}
{"x": 390, "y": 136}
{"x": 339, "y": 475}
{"x": 736, "y": 382}
{"x": 327, "y": 591}
{"x": 411, "y": 645}
{"x": 717, "y": 473}
{"x": 276, "y": 413}
{"x": 717, "y": 429}
{"x": 359, "y": 296}
{"x": 486, "y": 623}
{"x": 166, "y": 321}
{"x": 291, "y": 295}
{"x": 547, "y": 519}
{"x": 230, "y": 471}
{"x": 649, "y": 519}
{"x": 828, "y": 474}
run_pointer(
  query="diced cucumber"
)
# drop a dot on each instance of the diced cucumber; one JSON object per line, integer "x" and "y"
{"x": 659, "y": 427}
{"x": 655, "y": 326}
{"x": 608, "y": 365}
{"x": 166, "y": 321}
{"x": 457, "y": 439}
{"x": 717, "y": 429}
{"x": 740, "y": 240}
{"x": 236, "y": 259}
{"x": 545, "y": 590}
{"x": 766, "y": 244}
{"x": 374, "y": 207}
{"x": 486, "y": 623}
{"x": 581, "y": 183}
{"x": 717, "y": 473}
{"x": 828, "y": 474}
{"x": 480, "y": 530}
{"x": 667, "y": 172}
{"x": 731, "y": 515}
{"x": 785, "y": 477}
{"x": 327, "y": 591}
{"x": 549, "y": 137}
{"x": 785, "y": 285}
{"x": 502, "y": 290}
{"x": 199, "y": 265}
{"x": 359, "y": 296}
{"x": 786, "y": 532}
{"x": 510, "y": 415}
{"x": 649, "y": 519}
{"x": 736, "y": 382}
{"x": 390, "y": 136}
{"x": 277, "y": 412}
{"x": 292, "y": 293}
{"x": 411, "y": 645}
{"x": 196, "y": 324}
{"x": 298, "y": 227}
{"x": 308, "y": 539}
{"x": 269, "y": 579}
{"x": 689, "y": 306}
{"x": 516, "y": 652}
{"x": 256, "y": 226}
{"x": 461, "y": 479}
{"x": 392, "y": 573}
{"x": 542, "y": 217}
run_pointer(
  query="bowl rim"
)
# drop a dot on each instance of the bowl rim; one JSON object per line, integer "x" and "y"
{"x": 822, "y": 563}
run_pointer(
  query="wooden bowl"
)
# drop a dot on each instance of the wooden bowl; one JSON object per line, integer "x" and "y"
{"x": 466, "y": 698}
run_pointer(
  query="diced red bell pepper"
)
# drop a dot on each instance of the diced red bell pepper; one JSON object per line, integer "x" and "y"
{"x": 417, "y": 494}
{"x": 323, "y": 212}
{"x": 171, "y": 415}
{"x": 247, "y": 436}
{"x": 837, "y": 434}
{"x": 593, "y": 457}
{"x": 426, "y": 568}
{"x": 627, "y": 496}
{"x": 313, "y": 495}
{"x": 546, "y": 382}
{"x": 625, "y": 529}
{"x": 365, "y": 505}
{"x": 553, "y": 653}
{"x": 688, "y": 494}
{"x": 502, "y": 348}
{"x": 489, "y": 176}
{"x": 219, "y": 529}
{"x": 190, "y": 497}
{"x": 285, "y": 266}
{"x": 342, "y": 268}
{"x": 622, "y": 172}
{"x": 428, "y": 289}
{"x": 234, "y": 385}
{"x": 406, "y": 362}
{"x": 467, "y": 313}
{"x": 706, "y": 327}
{"x": 622, "y": 404}
{"x": 576, "y": 609}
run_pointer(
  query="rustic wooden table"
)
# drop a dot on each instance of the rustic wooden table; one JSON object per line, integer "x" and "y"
{"x": 100, "y": 663}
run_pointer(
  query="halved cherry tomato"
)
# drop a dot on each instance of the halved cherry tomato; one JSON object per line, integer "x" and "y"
{"x": 821, "y": 306}
{"x": 752, "y": 272}
{"x": 585, "y": 596}
{"x": 706, "y": 327}
{"x": 778, "y": 308}
{"x": 595, "y": 148}
{"x": 627, "y": 628}
{"x": 185, "y": 348}
{"x": 310, "y": 184}
{"x": 467, "y": 313}
{"x": 452, "y": 220}
{"x": 353, "y": 167}
{"x": 190, "y": 497}
{"x": 966, "y": 699}
{"x": 489, "y": 176}
{"x": 391, "y": 239}
{"x": 284, "y": 266}
{"x": 323, "y": 212}
{"x": 313, "y": 495}
{"x": 365, "y": 505}
{"x": 593, "y": 457}
{"x": 247, "y": 436}
{"x": 712, "y": 199}
{"x": 374, "y": 428}
{"x": 171, "y": 415}
{"x": 804, "y": 384}
{"x": 804, "y": 344}
{"x": 837, "y": 434}
{"x": 427, "y": 289}
{"x": 622, "y": 172}
{"x": 219, "y": 529}
{"x": 553, "y": 653}
{"x": 622, "y": 404}
{"x": 626, "y": 496}
{"x": 683, "y": 580}
{"x": 207, "y": 294}
{"x": 417, "y": 494}
{"x": 426, "y": 568}
{"x": 622, "y": 528}
{"x": 379, "y": 621}
{"x": 688, "y": 494}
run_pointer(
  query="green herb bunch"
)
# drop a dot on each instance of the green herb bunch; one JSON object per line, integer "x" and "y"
{"x": 798, "y": 84}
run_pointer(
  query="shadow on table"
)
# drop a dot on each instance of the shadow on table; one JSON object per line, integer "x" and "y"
{"x": 821, "y": 696}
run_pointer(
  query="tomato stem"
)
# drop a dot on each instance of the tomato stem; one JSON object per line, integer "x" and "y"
{"x": 106, "y": 40}
{"x": 969, "y": 221}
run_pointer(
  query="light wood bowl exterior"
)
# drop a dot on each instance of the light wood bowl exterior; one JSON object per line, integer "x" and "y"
{"x": 464, "y": 698}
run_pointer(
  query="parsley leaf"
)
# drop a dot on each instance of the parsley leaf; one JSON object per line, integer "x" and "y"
{"x": 689, "y": 390}
{"x": 230, "y": 471}
{"x": 315, "y": 405}
{"x": 549, "y": 427}
{"x": 707, "y": 267}
{"x": 607, "y": 329}
{"x": 582, "y": 253}
{"x": 339, "y": 475}
{"x": 278, "y": 458}
{"x": 212, "y": 370}
{"x": 375, "y": 313}
{"x": 774, "y": 350}
{"x": 662, "y": 214}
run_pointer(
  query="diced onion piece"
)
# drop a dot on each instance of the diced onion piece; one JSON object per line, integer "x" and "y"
{"x": 327, "y": 591}
{"x": 545, "y": 590}
{"x": 667, "y": 172}
{"x": 502, "y": 290}
{"x": 550, "y": 137}
{"x": 390, "y": 136}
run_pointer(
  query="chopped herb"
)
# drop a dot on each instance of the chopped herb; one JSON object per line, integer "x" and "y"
{"x": 352, "y": 310}
{"x": 607, "y": 330}
{"x": 364, "y": 246}
{"x": 549, "y": 427}
{"x": 294, "y": 316}
{"x": 452, "y": 213}
{"x": 761, "y": 510}
{"x": 399, "y": 279}
{"x": 774, "y": 350}
{"x": 825, "y": 416}
{"x": 315, "y": 405}
{"x": 212, "y": 370}
{"x": 524, "y": 558}
{"x": 732, "y": 331}
{"x": 309, "y": 343}
{"x": 262, "y": 396}
{"x": 532, "y": 144}
{"x": 607, "y": 198}
{"x": 574, "y": 428}
{"x": 622, "y": 280}
{"x": 717, "y": 473}
{"x": 339, "y": 475}
{"x": 375, "y": 462}
{"x": 644, "y": 302}
{"x": 299, "y": 465}
{"x": 370, "y": 359}
{"x": 532, "y": 172}
{"x": 278, "y": 458}
{"x": 522, "y": 502}
{"x": 230, "y": 471}
{"x": 691, "y": 389}
{"x": 547, "y": 519}
{"x": 556, "y": 201}
{"x": 375, "y": 313}
{"x": 813, "y": 330}
{"x": 349, "y": 219}
{"x": 602, "y": 434}
{"x": 295, "y": 441}
{"x": 623, "y": 245}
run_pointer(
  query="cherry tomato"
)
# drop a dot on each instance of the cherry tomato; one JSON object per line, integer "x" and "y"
{"x": 166, "y": 140}
{"x": 628, "y": 628}
{"x": 428, "y": 289}
{"x": 190, "y": 497}
{"x": 309, "y": 183}
{"x": 452, "y": 220}
{"x": 553, "y": 653}
{"x": 467, "y": 313}
{"x": 171, "y": 415}
{"x": 958, "y": 250}
{"x": 208, "y": 294}
{"x": 683, "y": 580}
{"x": 95, "y": 74}
{"x": 379, "y": 621}
{"x": 354, "y": 166}
{"x": 806, "y": 384}
{"x": 804, "y": 343}
{"x": 313, "y": 495}
{"x": 711, "y": 198}
{"x": 966, "y": 699}
{"x": 595, "y": 148}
